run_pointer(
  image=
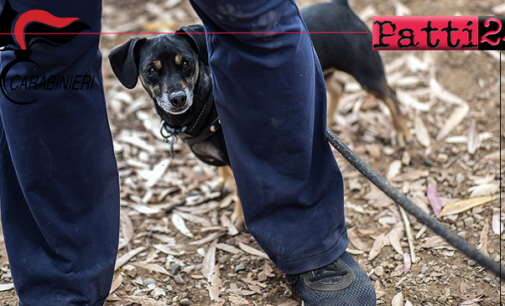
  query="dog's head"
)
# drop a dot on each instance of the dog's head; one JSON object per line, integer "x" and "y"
{"x": 167, "y": 66}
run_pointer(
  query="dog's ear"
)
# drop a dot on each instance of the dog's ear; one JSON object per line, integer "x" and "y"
{"x": 124, "y": 61}
{"x": 195, "y": 32}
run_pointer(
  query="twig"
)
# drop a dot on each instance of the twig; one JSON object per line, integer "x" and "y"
{"x": 408, "y": 231}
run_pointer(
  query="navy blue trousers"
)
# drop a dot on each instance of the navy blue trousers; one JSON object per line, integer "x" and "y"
{"x": 271, "y": 99}
{"x": 59, "y": 185}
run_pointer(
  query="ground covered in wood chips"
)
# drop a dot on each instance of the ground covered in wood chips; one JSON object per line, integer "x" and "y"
{"x": 177, "y": 246}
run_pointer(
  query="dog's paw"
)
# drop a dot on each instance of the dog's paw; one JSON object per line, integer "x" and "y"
{"x": 401, "y": 139}
{"x": 237, "y": 219}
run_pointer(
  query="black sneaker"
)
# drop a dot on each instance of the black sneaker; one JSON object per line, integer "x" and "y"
{"x": 341, "y": 283}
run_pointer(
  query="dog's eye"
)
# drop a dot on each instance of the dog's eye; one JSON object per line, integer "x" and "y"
{"x": 186, "y": 64}
{"x": 151, "y": 71}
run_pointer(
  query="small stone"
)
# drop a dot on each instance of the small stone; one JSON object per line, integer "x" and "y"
{"x": 462, "y": 234}
{"x": 434, "y": 252}
{"x": 442, "y": 299}
{"x": 262, "y": 277}
{"x": 379, "y": 271}
{"x": 184, "y": 302}
{"x": 487, "y": 279}
{"x": 428, "y": 162}
{"x": 175, "y": 267}
{"x": 460, "y": 177}
{"x": 178, "y": 279}
{"x": 471, "y": 262}
{"x": 468, "y": 221}
{"x": 398, "y": 257}
{"x": 148, "y": 281}
{"x": 239, "y": 267}
{"x": 497, "y": 258}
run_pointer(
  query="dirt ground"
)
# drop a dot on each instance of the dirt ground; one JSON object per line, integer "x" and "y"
{"x": 452, "y": 100}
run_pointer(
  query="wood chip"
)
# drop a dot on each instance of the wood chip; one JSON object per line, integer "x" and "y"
{"x": 252, "y": 250}
{"x": 464, "y": 205}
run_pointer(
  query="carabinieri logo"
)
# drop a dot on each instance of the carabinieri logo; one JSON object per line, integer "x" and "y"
{"x": 19, "y": 33}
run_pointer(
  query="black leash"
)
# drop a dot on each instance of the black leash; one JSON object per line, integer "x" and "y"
{"x": 413, "y": 209}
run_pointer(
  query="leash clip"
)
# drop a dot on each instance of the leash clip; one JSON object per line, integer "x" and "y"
{"x": 170, "y": 135}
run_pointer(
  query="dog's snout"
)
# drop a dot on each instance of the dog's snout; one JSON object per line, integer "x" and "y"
{"x": 178, "y": 98}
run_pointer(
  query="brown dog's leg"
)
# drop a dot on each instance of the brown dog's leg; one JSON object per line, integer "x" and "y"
{"x": 401, "y": 134}
{"x": 227, "y": 184}
{"x": 335, "y": 90}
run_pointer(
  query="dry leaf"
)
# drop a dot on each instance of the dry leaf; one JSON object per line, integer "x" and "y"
{"x": 116, "y": 283}
{"x": 496, "y": 224}
{"x": 394, "y": 169}
{"x": 464, "y": 205}
{"x": 483, "y": 239}
{"x": 377, "y": 246}
{"x": 126, "y": 229}
{"x": 267, "y": 269}
{"x": 6, "y": 287}
{"x": 121, "y": 261}
{"x": 151, "y": 267}
{"x": 441, "y": 93}
{"x": 473, "y": 138}
{"x": 484, "y": 190}
{"x": 454, "y": 120}
{"x": 407, "y": 263}
{"x": 472, "y": 302}
{"x": 209, "y": 261}
{"x": 207, "y": 239}
{"x": 215, "y": 287}
{"x": 146, "y": 210}
{"x": 252, "y": 250}
{"x": 397, "y": 300}
{"x": 464, "y": 287}
{"x": 422, "y": 134}
{"x": 436, "y": 242}
{"x": 195, "y": 219}
{"x": 164, "y": 248}
{"x": 228, "y": 248}
{"x": 434, "y": 200}
{"x": 180, "y": 225}
{"x": 394, "y": 238}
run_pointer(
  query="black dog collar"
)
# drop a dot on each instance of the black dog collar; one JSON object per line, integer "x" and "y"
{"x": 195, "y": 133}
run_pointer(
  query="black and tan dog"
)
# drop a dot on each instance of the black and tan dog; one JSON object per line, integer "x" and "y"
{"x": 174, "y": 71}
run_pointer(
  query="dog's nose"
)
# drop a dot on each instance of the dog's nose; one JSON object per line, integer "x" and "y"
{"x": 178, "y": 98}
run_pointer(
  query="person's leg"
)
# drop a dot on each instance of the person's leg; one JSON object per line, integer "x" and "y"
{"x": 271, "y": 99}
{"x": 271, "y": 96}
{"x": 58, "y": 176}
